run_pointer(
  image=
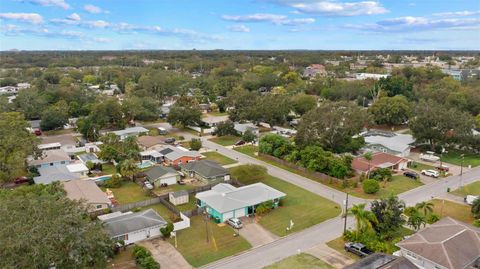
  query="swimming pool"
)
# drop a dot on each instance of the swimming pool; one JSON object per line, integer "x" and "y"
{"x": 145, "y": 164}
{"x": 103, "y": 178}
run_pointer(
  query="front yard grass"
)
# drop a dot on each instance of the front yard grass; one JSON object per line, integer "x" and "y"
{"x": 304, "y": 208}
{"x": 338, "y": 245}
{"x": 227, "y": 140}
{"x": 129, "y": 192}
{"x": 249, "y": 150}
{"x": 470, "y": 189}
{"x": 219, "y": 158}
{"x": 164, "y": 212}
{"x": 109, "y": 169}
{"x": 417, "y": 166}
{"x": 444, "y": 208}
{"x": 454, "y": 157}
{"x": 300, "y": 261}
{"x": 398, "y": 185}
{"x": 222, "y": 242}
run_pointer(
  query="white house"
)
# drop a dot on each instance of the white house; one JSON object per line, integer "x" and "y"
{"x": 132, "y": 131}
{"x": 388, "y": 142}
{"x": 363, "y": 76}
{"x": 243, "y": 127}
{"x": 133, "y": 227}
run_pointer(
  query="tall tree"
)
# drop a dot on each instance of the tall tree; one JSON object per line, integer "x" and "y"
{"x": 185, "y": 112}
{"x": 302, "y": 103}
{"x": 433, "y": 123}
{"x": 426, "y": 207}
{"x": 388, "y": 212}
{"x": 128, "y": 168}
{"x": 16, "y": 143}
{"x": 391, "y": 110}
{"x": 49, "y": 230}
{"x": 364, "y": 219}
{"x": 55, "y": 116}
{"x": 332, "y": 126}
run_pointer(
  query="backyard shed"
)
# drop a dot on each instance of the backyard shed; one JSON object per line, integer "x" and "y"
{"x": 178, "y": 197}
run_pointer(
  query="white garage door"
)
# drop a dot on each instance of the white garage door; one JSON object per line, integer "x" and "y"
{"x": 239, "y": 212}
{"x": 169, "y": 180}
{"x": 227, "y": 215}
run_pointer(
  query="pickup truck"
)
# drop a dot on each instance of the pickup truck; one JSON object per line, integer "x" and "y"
{"x": 429, "y": 157}
{"x": 358, "y": 249}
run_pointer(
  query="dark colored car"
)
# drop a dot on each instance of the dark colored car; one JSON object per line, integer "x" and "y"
{"x": 170, "y": 140}
{"x": 358, "y": 249}
{"x": 21, "y": 180}
{"x": 240, "y": 142}
{"x": 411, "y": 174}
{"x": 37, "y": 132}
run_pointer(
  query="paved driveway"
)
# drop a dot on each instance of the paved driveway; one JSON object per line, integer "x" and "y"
{"x": 255, "y": 234}
{"x": 330, "y": 256}
{"x": 165, "y": 254}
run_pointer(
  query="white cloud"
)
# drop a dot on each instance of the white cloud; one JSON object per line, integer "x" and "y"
{"x": 88, "y": 24}
{"x": 410, "y": 23}
{"x": 457, "y": 13}
{"x": 265, "y": 17}
{"x": 33, "y": 18}
{"x": 94, "y": 9}
{"x": 55, "y": 3}
{"x": 240, "y": 28}
{"x": 74, "y": 17}
{"x": 334, "y": 7}
{"x": 102, "y": 40}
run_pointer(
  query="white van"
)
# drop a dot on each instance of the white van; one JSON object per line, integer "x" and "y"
{"x": 162, "y": 131}
{"x": 469, "y": 199}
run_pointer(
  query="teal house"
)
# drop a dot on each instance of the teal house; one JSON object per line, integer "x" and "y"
{"x": 225, "y": 201}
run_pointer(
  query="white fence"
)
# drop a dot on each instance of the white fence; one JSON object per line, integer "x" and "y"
{"x": 185, "y": 223}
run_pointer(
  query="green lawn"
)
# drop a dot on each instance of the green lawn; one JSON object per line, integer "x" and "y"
{"x": 338, "y": 244}
{"x": 304, "y": 208}
{"x": 162, "y": 211}
{"x": 421, "y": 166}
{"x": 453, "y": 157}
{"x": 109, "y": 169}
{"x": 454, "y": 210}
{"x": 470, "y": 189}
{"x": 222, "y": 242}
{"x": 129, "y": 192}
{"x": 219, "y": 158}
{"x": 398, "y": 185}
{"x": 300, "y": 261}
{"x": 249, "y": 150}
{"x": 227, "y": 140}
{"x": 188, "y": 206}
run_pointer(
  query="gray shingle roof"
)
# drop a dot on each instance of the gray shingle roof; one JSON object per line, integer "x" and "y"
{"x": 179, "y": 193}
{"x": 159, "y": 171}
{"x": 173, "y": 153}
{"x": 54, "y": 173}
{"x": 206, "y": 168}
{"x": 128, "y": 223}
{"x": 448, "y": 242}
{"x": 225, "y": 197}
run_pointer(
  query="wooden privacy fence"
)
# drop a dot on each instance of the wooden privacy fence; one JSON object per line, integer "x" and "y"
{"x": 130, "y": 206}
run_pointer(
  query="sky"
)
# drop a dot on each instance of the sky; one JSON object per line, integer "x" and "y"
{"x": 240, "y": 24}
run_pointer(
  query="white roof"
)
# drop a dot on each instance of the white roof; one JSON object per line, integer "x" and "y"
{"x": 77, "y": 167}
{"x": 394, "y": 141}
{"x": 242, "y": 127}
{"x": 132, "y": 130}
{"x": 225, "y": 197}
{"x": 49, "y": 145}
{"x": 152, "y": 153}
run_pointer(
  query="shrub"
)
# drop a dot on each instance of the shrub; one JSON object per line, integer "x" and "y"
{"x": 382, "y": 174}
{"x": 476, "y": 223}
{"x": 114, "y": 182}
{"x": 144, "y": 259}
{"x": 225, "y": 128}
{"x": 264, "y": 208}
{"x": 195, "y": 144}
{"x": 167, "y": 230}
{"x": 432, "y": 218}
{"x": 371, "y": 186}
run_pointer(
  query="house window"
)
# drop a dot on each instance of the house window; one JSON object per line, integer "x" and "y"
{"x": 411, "y": 255}
{"x": 62, "y": 162}
{"x": 51, "y": 164}
{"x": 99, "y": 206}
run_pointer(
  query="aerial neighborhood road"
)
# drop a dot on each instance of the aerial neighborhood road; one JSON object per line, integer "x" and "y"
{"x": 270, "y": 253}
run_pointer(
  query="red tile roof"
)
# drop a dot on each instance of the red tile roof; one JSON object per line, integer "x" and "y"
{"x": 379, "y": 159}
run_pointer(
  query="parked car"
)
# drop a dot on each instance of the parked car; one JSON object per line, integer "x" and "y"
{"x": 358, "y": 249}
{"x": 240, "y": 142}
{"x": 162, "y": 131}
{"x": 148, "y": 185}
{"x": 411, "y": 174}
{"x": 431, "y": 173}
{"x": 21, "y": 180}
{"x": 443, "y": 168}
{"x": 37, "y": 132}
{"x": 181, "y": 182}
{"x": 170, "y": 140}
{"x": 235, "y": 223}
{"x": 469, "y": 199}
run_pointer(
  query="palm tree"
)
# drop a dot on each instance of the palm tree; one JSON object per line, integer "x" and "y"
{"x": 128, "y": 168}
{"x": 364, "y": 219}
{"x": 426, "y": 207}
{"x": 368, "y": 156}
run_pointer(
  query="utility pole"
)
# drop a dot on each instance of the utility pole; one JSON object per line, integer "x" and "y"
{"x": 346, "y": 214}
{"x": 461, "y": 170}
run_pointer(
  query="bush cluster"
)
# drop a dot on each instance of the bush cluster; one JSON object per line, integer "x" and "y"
{"x": 144, "y": 259}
